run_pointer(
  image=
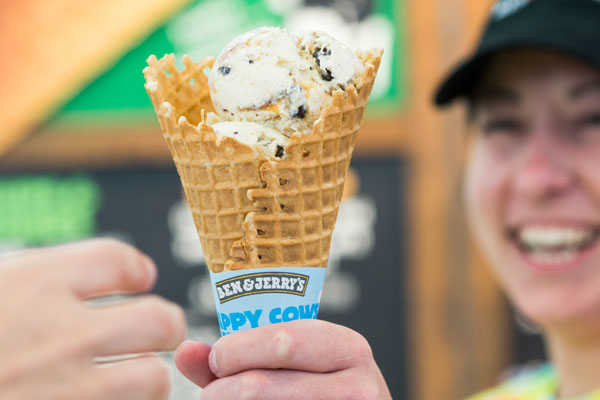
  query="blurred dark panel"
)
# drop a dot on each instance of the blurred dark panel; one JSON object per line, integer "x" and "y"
{"x": 365, "y": 283}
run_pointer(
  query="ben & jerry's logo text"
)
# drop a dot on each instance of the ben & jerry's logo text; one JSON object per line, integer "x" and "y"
{"x": 264, "y": 282}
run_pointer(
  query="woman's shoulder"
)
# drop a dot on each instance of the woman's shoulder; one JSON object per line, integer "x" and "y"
{"x": 533, "y": 382}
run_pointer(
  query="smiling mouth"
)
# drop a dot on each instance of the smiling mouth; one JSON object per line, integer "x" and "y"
{"x": 554, "y": 248}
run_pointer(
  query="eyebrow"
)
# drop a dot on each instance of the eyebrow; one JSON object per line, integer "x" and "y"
{"x": 585, "y": 88}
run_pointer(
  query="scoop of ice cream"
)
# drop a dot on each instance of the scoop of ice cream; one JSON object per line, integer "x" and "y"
{"x": 280, "y": 80}
{"x": 266, "y": 140}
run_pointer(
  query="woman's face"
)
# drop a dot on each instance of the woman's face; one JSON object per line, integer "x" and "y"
{"x": 533, "y": 182}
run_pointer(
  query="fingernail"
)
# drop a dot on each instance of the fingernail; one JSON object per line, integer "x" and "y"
{"x": 212, "y": 361}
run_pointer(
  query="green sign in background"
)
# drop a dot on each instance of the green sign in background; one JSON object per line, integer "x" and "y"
{"x": 39, "y": 210}
{"x": 202, "y": 28}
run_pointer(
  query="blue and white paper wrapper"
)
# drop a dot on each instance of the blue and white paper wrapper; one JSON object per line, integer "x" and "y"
{"x": 250, "y": 298}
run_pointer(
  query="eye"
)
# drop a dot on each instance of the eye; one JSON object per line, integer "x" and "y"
{"x": 591, "y": 120}
{"x": 510, "y": 126}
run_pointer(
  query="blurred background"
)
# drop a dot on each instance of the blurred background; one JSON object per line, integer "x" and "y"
{"x": 81, "y": 156}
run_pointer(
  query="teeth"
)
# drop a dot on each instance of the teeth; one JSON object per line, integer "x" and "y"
{"x": 554, "y": 237}
{"x": 555, "y": 257}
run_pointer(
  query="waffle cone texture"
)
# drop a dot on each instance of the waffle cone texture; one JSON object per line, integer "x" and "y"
{"x": 250, "y": 211}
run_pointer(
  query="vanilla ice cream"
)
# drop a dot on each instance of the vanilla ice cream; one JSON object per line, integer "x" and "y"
{"x": 279, "y": 80}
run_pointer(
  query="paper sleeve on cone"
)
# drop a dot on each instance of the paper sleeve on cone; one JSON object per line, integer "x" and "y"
{"x": 250, "y": 298}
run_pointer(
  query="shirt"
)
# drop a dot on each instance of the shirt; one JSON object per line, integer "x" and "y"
{"x": 533, "y": 384}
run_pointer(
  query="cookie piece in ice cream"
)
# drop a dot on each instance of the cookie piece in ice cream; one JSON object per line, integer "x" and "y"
{"x": 283, "y": 81}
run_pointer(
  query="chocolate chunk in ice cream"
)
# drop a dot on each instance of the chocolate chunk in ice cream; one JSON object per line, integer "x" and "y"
{"x": 280, "y": 151}
{"x": 225, "y": 70}
{"x": 327, "y": 75}
{"x": 300, "y": 113}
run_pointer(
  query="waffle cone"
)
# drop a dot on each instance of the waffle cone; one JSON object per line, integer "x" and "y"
{"x": 250, "y": 211}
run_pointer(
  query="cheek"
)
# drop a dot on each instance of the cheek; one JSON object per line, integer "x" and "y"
{"x": 485, "y": 187}
{"x": 588, "y": 170}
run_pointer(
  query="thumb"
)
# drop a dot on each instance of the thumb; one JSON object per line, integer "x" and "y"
{"x": 191, "y": 358}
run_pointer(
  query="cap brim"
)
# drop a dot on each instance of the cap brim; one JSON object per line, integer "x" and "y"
{"x": 461, "y": 80}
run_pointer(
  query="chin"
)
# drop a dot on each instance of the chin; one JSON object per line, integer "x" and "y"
{"x": 558, "y": 304}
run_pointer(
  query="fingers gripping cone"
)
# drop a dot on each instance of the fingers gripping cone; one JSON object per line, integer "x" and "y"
{"x": 274, "y": 217}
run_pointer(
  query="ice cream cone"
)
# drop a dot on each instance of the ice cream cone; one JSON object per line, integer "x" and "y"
{"x": 251, "y": 212}
{"x": 262, "y": 222}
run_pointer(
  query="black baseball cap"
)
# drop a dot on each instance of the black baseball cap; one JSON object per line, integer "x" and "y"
{"x": 569, "y": 26}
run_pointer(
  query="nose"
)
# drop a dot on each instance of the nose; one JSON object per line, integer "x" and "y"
{"x": 543, "y": 174}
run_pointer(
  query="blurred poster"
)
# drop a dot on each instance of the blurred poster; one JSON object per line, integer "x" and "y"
{"x": 117, "y": 99}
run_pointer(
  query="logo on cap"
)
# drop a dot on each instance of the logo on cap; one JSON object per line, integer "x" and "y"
{"x": 504, "y": 8}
